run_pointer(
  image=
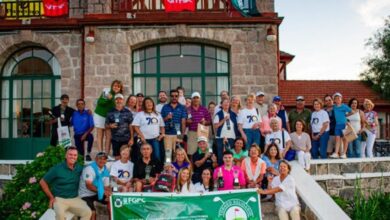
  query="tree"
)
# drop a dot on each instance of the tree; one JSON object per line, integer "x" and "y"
{"x": 378, "y": 72}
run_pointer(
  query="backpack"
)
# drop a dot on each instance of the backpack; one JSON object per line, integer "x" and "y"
{"x": 165, "y": 183}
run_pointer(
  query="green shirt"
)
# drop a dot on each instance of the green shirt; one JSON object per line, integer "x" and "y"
{"x": 242, "y": 153}
{"x": 104, "y": 105}
{"x": 63, "y": 181}
{"x": 305, "y": 115}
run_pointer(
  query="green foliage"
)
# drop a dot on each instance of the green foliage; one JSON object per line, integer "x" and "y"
{"x": 378, "y": 73}
{"x": 375, "y": 206}
{"x": 24, "y": 187}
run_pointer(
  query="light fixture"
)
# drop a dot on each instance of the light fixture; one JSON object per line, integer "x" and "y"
{"x": 181, "y": 55}
{"x": 90, "y": 38}
{"x": 271, "y": 35}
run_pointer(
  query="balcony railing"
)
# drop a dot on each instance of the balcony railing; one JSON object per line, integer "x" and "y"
{"x": 21, "y": 9}
{"x": 120, "y": 6}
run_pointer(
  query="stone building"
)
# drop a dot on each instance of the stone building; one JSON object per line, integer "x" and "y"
{"x": 81, "y": 49}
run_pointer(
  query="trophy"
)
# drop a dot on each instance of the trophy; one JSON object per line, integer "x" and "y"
{"x": 148, "y": 169}
{"x": 236, "y": 183}
{"x": 177, "y": 128}
{"x": 168, "y": 156}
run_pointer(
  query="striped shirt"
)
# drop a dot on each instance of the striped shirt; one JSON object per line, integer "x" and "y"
{"x": 197, "y": 116}
{"x": 178, "y": 114}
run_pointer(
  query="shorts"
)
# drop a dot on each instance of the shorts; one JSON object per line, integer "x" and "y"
{"x": 338, "y": 130}
{"x": 90, "y": 199}
{"x": 99, "y": 121}
{"x": 170, "y": 142}
{"x": 116, "y": 146}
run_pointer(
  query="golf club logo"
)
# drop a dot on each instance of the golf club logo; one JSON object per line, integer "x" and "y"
{"x": 118, "y": 203}
{"x": 235, "y": 209}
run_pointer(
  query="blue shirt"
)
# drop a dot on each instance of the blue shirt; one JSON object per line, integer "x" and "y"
{"x": 340, "y": 112}
{"x": 82, "y": 121}
{"x": 179, "y": 113}
{"x": 270, "y": 164}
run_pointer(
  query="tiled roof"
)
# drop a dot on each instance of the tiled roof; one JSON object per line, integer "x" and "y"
{"x": 311, "y": 89}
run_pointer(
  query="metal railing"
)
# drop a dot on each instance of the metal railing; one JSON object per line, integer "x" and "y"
{"x": 120, "y": 6}
{"x": 21, "y": 9}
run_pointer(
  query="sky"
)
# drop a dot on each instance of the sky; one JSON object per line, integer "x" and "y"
{"x": 328, "y": 37}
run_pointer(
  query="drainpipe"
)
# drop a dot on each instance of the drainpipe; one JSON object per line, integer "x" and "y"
{"x": 82, "y": 63}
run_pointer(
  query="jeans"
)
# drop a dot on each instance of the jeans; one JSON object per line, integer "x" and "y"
{"x": 354, "y": 148}
{"x": 80, "y": 144}
{"x": 156, "y": 148}
{"x": 253, "y": 137}
{"x": 320, "y": 146}
{"x": 220, "y": 146}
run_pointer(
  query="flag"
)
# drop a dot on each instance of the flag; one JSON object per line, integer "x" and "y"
{"x": 55, "y": 8}
{"x": 179, "y": 5}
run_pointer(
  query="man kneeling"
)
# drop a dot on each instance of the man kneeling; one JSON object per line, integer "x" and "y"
{"x": 95, "y": 183}
{"x": 146, "y": 169}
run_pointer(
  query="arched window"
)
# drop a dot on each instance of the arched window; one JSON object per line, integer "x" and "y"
{"x": 196, "y": 67}
{"x": 30, "y": 85}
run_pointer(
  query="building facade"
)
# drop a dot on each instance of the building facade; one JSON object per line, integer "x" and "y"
{"x": 84, "y": 45}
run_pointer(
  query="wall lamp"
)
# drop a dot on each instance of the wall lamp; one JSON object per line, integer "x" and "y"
{"x": 90, "y": 38}
{"x": 271, "y": 35}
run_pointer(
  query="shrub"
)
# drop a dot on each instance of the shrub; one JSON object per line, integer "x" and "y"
{"x": 23, "y": 197}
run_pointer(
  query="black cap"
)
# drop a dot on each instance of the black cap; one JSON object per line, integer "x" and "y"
{"x": 140, "y": 94}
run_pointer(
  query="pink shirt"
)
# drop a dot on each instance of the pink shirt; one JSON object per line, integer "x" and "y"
{"x": 228, "y": 177}
{"x": 265, "y": 125}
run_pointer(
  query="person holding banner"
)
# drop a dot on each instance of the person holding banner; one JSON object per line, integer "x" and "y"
{"x": 64, "y": 113}
{"x": 286, "y": 199}
{"x": 184, "y": 184}
{"x": 61, "y": 184}
{"x": 146, "y": 169}
{"x": 95, "y": 183}
{"x": 203, "y": 159}
{"x": 229, "y": 176}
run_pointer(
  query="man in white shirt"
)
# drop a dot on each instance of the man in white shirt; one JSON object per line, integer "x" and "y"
{"x": 162, "y": 99}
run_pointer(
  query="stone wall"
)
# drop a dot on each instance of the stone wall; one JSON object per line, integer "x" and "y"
{"x": 66, "y": 46}
{"x": 265, "y": 5}
{"x": 253, "y": 60}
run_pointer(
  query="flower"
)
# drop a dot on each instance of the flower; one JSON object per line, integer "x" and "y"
{"x": 34, "y": 214}
{"x": 40, "y": 154}
{"x": 26, "y": 205}
{"x": 32, "y": 180}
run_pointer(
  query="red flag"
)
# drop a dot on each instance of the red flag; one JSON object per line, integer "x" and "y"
{"x": 179, "y": 5}
{"x": 55, "y": 8}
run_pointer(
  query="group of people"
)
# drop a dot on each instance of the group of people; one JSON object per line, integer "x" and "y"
{"x": 247, "y": 146}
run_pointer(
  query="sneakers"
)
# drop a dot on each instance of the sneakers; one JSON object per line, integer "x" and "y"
{"x": 88, "y": 158}
{"x": 111, "y": 158}
{"x": 334, "y": 156}
{"x": 344, "y": 156}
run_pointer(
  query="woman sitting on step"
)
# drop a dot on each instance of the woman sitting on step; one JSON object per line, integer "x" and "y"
{"x": 286, "y": 199}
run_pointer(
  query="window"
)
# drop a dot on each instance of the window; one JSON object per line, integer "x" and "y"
{"x": 30, "y": 85}
{"x": 196, "y": 67}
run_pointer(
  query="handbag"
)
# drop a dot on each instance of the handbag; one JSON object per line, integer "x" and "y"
{"x": 63, "y": 135}
{"x": 290, "y": 155}
{"x": 349, "y": 133}
{"x": 363, "y": 136}
{"x": 203, "y": 131}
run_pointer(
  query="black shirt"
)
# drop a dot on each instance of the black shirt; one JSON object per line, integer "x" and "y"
{"x": 197, "y": 176}
{"x": 139, "y": 168}
{"x": 68, "y": 112}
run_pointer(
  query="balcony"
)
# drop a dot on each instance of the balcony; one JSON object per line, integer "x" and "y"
{"x": 21, "y": 9}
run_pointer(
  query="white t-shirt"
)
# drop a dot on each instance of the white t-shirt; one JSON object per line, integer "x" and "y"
{"x": 159, "y": 107}
{"x": 248, "y": 117}
{"x": 277, "y": 138}
{"x": 225, "y": 132}
{"x": 199, "y": 188}
{"x": 149, "y": 124}
{"x": 123, "y": 171}
{"x": 89, "y": 174}
{"x": 287, "y": 199}
{"x": 318, "y": 119}
{"x": 185, "y": 189}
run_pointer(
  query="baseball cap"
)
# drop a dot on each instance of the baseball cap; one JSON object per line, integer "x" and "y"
{"x": 260, "y": 93}
{"x": 119, "y": 96}
{"x": 195, "y": 94}
{"x": 277, "y": 98}
{"x": 201, "y": 138}
{"x": 101, "y": 154}
{"x": 300, "y": 98}
{"x": 337, "y": 94}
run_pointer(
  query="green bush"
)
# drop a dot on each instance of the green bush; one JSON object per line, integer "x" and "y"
{"x": 23, "y": 197}
{"x": 374, "y": 206}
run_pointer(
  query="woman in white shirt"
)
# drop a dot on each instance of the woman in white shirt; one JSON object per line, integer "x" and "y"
{"x": 319, "y": 130}
{"x": 286, "y": 199}
{"x": 207, "y": 182}
{"x": 280, "y": 137}
{"x": 149, "y": 126}
{"x": 184, "y": 184}
{"x": 301, "y": 144}
{"x": 357, "y": 121}
{"x": 122, "y": 171}
{"x": 249, "y": 122}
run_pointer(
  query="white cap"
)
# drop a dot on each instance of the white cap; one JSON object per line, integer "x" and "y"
{"x": 260, "y": 93}
{"x": 337, "y": 94}
{"x": 300, "y": 98}
{"x": 201, "y": 138}
{"x": 195, "y": 94}
{"x": 119, "y": 96}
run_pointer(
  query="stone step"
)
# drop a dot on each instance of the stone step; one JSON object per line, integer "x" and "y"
{"x": 353, "y": 165}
